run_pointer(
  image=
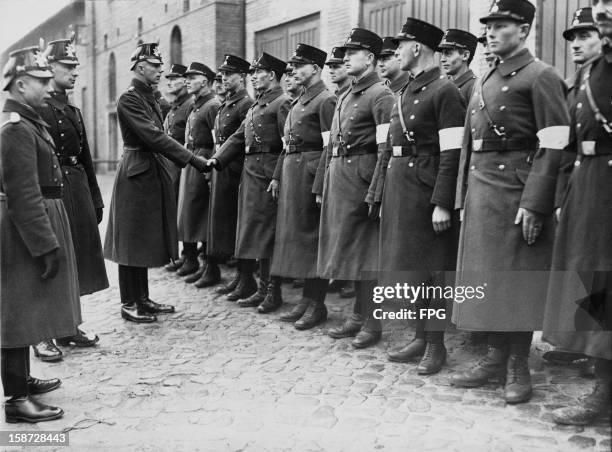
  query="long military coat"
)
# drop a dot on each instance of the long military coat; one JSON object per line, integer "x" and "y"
{"x": 81, "y": 192}
{"x": 526, "y": 100}
{"x": 258, "y": 139}
{"x": 194, "y": 192}
{"x": 174, "y": 125}
{"x": 142, "y": 219}
{"x": 33, "y": 222}
{"x": 297, "y": 221}
{"x": 224, "y": 184}
{"x": 582, "y": 256}
{"x": 421, "y": 177}
{"x": 348, "y": 238}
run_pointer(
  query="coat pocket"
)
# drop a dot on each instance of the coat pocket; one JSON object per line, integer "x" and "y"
{"x": 522, "y": 175}
{"x": 366, "y": 164}
{"x": 313, "y": 163}
{"x": 427, "y": 172}
{"x": 136, "y": 164}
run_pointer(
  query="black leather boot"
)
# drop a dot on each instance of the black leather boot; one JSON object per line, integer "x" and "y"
{"x": 144, "y": 302}
{"x": 129, "y": 288}
{"x": 47, "y": 351}
{"x": 247, "y": 285}
{"x": 175, "y": 265}
{"x": 416, "y": 347}
{"x": 273, "y": 299}
{"x": 211, "y": 276}
{"x": 297, "y": 311}
{"x": 589, "y": 408}
{"x": 314, "y": 315}
{"x": 230, "y": 286}
{"x": 435, "y": 354}
{"x": 38, "y": 386}
{"x": 369, "y": 334}
{"x": 264, "y": 281}
{"x": 190, "y": 264}
{"x": 518, "y": 379}
{"x": 349, "y": 328}
{"x": 28, "y": 409}
{"x": 492, "y": 366}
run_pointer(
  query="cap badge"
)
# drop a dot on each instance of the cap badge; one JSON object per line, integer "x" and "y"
{"x": 156, "y": 52}
{"x": 495, "y": 7}
{"x": 70, "y": 51}
{"x": 40, "y": 60}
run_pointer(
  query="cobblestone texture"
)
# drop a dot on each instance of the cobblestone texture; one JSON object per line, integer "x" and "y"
{"x": 215, "y": 377}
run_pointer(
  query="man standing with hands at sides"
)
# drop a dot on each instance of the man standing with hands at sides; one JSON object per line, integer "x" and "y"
{"x": 348, "y": 235}
{"x": 142, "y": 221}
{"x": 224, "y": 184}
{"x": 297, "y": 222}
{"x": 82, "y": 198}
{"x": 39, "y": 298}
{"x": 580, "y": 289}
{"x": 457, "y": 51}
{"x": 389, "y": 66}
{"x": 259, "y": 137}
{"x": 194, "y": 192}
{"x": 419, "y": 230}
{"x": 516, "y": 127}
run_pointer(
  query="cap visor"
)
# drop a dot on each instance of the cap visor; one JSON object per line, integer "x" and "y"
{"x": 40, "y": 73}
{"x": 567, "y": 34}
{"x": 497, "y": 16}
{"x": 69, "y": 62}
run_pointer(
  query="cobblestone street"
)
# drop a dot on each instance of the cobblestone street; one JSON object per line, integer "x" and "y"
{"x": 215, "y": 377}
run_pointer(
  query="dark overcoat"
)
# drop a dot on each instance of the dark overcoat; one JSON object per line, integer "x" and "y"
{"x": 174, "y": 125}
{"x": 33, "y": 222}
{"x": 582, "y": 256}
{"x": 81, "y": 192}
{"x": 142, "y": 219}
{"x": 258, "y": 139}
{"x": 348, "y": 238}
{"x": 194, "y": 192}
{"x": 224, "y": 184}
{"x": 422, "y": 176}
{"x": 525, "y": 99}
{"x": 297, "y": 221}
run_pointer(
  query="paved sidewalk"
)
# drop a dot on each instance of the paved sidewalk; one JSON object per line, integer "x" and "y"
{"x": 215, "y": 377}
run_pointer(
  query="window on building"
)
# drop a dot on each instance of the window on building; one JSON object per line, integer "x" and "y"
{"x": 112, "y": 78}
{"x": 105, "y": 41}
{"x": 118, "y": 32}
{"x": 139, "y": 26}
{"x": 281, "y": 40}
{"x": 165, "y": 7}
{"x": 176, "y": 46}
{"x": 185, "y": 6}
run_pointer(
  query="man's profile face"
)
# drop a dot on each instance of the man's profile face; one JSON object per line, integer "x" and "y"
{"x": 452, "y": 59}
{"x": 585, "y": 44}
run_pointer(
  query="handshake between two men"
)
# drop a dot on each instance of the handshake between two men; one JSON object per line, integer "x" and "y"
{"x": 202, "y": 164}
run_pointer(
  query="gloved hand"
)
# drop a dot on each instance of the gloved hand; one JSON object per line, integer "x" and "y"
{"x": 99, "y": 214}
{"x": 49, "y": 264}
{"x": 199, "y": 163}
{"x": 373, "y": 211}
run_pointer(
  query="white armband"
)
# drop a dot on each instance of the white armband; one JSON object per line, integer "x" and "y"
{"x": 554, "y": 137}
{"x": 325, "y": 136}
{"x": 450, "y": 138}
{"x": 382, "y": 130}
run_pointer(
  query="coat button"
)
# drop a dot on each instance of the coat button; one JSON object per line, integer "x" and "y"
{"x": 348, "y": 146}
{"x": 416, "y": 101}
{"x": 350, "y": 133}
{"x": 302, "y": 109}
{"x": 411, "y": 164}
{"x": 66, "y": 173}
{"x": 473, "y": 111}
{"x": 424, "y": 88}
{"x": 579, "y": 105}
{"x": 473, "y": 129}
{"x": 502, "y": 167}
{"x": 577, "y": 163}
{"x": 349, "y": 161}
{"x": 411, "y": 116}
{"x": 502, "y": 108}
{"x": 512, "y": 73}
{"x": 355, "y": 105}
{"x": 502, "y": 128}
{"x": 60, "y": 121}
{"x": 227, "y": 114}
{"x": 504, "y": 88}
{"x": 351, "y": 118}
{"x": 609, "y": 162}
{"x": 473, "y": 167}
{"x": 61, "y": 134}
{"x": 578, "y": 125}
{"x": 54, "y": 166}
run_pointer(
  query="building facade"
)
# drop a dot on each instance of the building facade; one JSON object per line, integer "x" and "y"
{"x": 203, "y": 30}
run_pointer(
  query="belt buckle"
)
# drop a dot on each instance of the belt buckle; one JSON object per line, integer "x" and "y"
{"x": 247, "y": 149}
{"x": 335, "y": 150}
{"x": 476, "y": 145}
{"x": 397, "y": 151}
{"x": 588, "y": 147}
{"x": 292, "y": 148}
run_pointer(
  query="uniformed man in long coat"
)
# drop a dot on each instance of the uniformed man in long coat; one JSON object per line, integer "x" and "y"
{"x": 39, "y": 298}
{"x": 194, "y": 191}
{"x": 297, "y": 221}
{"x": 419, "y": 229}
{"x": 348, "y": 234}
{"x": 224, "y": 184}
{"x": 578, "y": 313}
{"x": 517, "y": 122}
{"x": 457, "y": 51}
{"x": 585, "y": 43}
{"x": 389, "y": 66}
{"x": 142, "y": 221}
{"x": 82, "y": 197}
{"x": 258, "y": 140}
{"x": 174, "y": 125}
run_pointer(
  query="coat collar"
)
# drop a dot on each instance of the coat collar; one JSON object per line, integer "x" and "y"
{"x": 143, "y": 89}
{"x": 340, "y": 91}
{"x": 515, "y": 62}
{"x": 13, "y": 106}
{"x": 399, "y": 82}
{"x": 180, "y": 100}
{"x": 269, "y": 95}
{"x": 58, "y": 100}
{"x": 238, "y": 95}
{"x": 464, "y": 78}
{"x": 364, "y": 82}
{"x": 202, "y": 99}
{"x": 424, "y": 78}
{"x": 312, "y": 92}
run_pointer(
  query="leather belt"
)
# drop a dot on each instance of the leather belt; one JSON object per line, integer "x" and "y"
{"x": 338, "y": 150}
{"x": 297, "y": 148}
{"x": 260, "y": 149}
{"x": 417, "y": 150}
{"x": 127, "y": 147}
{"x": 594, "y": 148}
{"x": 68, "y": 160}
{"x": 51, "y": 192}
{"x": 504, "y": 144}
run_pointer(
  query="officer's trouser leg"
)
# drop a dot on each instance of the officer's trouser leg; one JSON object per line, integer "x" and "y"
{"x": 129, "y": 284}
{"x": 315, "y": 289}
{"x": 15, "y": 364}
